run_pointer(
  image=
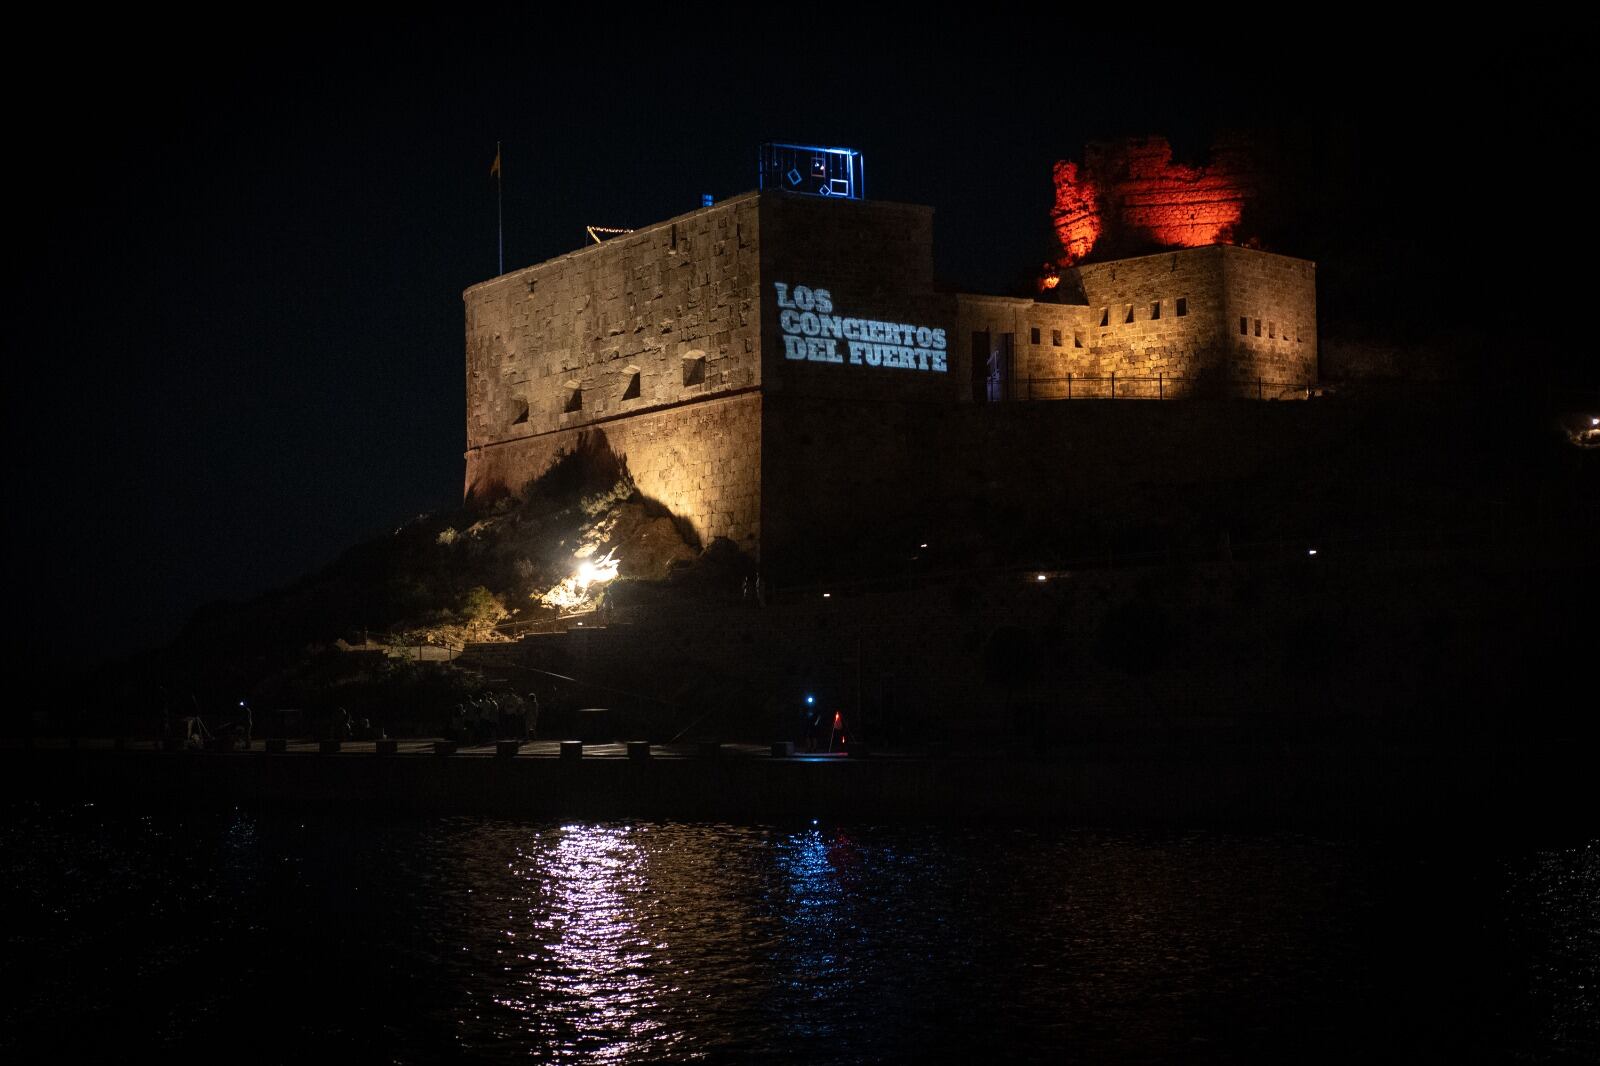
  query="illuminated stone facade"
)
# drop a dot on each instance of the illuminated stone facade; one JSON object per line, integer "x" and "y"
{"x": 652, "y": 339}
{"x": 1212, "y": 320}
{"x": 708, "y": 349}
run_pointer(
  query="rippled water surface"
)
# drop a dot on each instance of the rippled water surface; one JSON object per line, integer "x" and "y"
{"x": 240, "y": 937}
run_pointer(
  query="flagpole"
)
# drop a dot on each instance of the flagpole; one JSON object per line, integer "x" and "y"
{"x": 499, "y": 206}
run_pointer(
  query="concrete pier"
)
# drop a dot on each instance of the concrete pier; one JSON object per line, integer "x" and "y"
{"x": 1335, "y": 787}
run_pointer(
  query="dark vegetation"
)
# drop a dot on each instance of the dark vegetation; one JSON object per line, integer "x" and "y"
{"x": 357, "y": 633}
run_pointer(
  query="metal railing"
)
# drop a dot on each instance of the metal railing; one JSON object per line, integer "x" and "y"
{"x": 1159, "y": 386}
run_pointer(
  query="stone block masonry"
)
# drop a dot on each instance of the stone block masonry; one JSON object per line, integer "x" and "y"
{"x": 651, "y": 340}
{"x": 1173, "y": 315}
{"x": 1271, "y": 314}
{"x": 875, "y": 259}
{"x": 675, "y": 346}
{"x": 1139, "y": 329}
{"x": 1135, "y": 325}
{"x": 662, "y": 316}
{"x": 1047, "y": 341}
{"x": 702, "y": 461}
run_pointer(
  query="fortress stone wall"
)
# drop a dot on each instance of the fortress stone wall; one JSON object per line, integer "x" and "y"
{"x": 774, "y": 367}
{"x": 701, "y": 461}
{"x": 663, "y": 315}
{"x": 1271, "y": 314}
{"x": 875, "y": 261}
{"x": 1178, "y": 314}
{"x": 651, "y": 339}
{"x": 1167, "y": 325}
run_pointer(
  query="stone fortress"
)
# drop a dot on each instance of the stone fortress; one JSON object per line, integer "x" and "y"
{"x": 776, "y": 365}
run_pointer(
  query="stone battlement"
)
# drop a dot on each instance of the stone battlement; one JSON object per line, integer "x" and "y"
{"x": 683, "y": 344}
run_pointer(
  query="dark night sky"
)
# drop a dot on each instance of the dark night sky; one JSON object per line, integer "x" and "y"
{"x": 240, "y": 333}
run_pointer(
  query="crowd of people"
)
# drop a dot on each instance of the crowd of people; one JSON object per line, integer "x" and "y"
{"x": 479, "y": 719}
{"x": 487, "y": 716}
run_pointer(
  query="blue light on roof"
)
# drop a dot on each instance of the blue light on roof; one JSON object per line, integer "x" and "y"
{"x": 814, "y": 170}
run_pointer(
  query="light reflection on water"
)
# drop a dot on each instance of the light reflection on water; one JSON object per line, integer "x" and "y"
{"x": 817, "y": 928}
{"x": 1552, "y": 903}
{"x": 582, "y": 972}
{"x": 633, "y": 942}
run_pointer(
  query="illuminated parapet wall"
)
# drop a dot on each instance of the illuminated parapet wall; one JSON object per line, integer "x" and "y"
{"x": 652, "y": 338}
{"x": 1166, "y": 325}
{"x": 1269, "y": 316}
{"x": 1178, "y": 314}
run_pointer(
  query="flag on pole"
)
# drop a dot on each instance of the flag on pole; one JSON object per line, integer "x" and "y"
{"x": 499, "y": 207}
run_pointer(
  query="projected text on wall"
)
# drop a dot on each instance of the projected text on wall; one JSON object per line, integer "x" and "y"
{"x": 814, "y": 333}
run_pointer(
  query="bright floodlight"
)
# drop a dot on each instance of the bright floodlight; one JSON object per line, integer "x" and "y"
{"x": 598, "y": 572}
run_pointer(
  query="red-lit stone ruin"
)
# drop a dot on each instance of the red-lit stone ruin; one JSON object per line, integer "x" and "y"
{"x": 1131, "y": 195}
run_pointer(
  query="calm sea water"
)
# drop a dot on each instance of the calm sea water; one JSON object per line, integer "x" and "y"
{"x": 231, "y": 936}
